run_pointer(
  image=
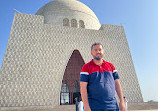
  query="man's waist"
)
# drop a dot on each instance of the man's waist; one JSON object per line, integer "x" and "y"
{"x": 98, "y": 103}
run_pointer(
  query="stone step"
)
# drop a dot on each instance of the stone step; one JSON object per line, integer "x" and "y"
{"x": 131, "y": 107}
{"x": 40, "y": 108}
{"x": 65, "y": 108}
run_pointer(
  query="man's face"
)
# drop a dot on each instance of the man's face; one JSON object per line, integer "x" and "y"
{"x": 97, "y": 52}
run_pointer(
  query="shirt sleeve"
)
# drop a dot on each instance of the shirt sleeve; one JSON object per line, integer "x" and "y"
{"x": 84, "y": 75}
{"x": 115, "y": 75}
{"x": 114, "y": 72}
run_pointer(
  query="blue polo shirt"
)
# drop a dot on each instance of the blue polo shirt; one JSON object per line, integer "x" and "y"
{"x": 101, "y": 84}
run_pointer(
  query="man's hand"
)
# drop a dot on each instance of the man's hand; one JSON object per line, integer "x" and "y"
{"x": 87, "y": 109}
{"x": 122, "y": 106}
{"x": 120, "y": 95}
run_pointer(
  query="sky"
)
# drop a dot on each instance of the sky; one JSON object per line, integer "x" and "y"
{"x": 139, "y": 18}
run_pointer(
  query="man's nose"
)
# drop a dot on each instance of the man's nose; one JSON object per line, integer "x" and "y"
{"x": 98, "y": 51}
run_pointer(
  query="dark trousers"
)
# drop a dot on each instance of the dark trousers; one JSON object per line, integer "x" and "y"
{"x": 104, "y": 110}
{"x": 76, "y": 107}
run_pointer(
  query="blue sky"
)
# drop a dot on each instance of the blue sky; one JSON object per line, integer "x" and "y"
{"x": 139, "y": 18}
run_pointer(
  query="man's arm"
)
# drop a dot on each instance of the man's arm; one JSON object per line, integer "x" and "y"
{"x": 120, "y": 95}
{"x": 83, "y": 90}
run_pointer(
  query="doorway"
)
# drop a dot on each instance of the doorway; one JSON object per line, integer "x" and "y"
{"x": 70, "y": 84}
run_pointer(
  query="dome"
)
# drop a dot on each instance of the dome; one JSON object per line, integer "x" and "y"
{"x": 55, "y": 12}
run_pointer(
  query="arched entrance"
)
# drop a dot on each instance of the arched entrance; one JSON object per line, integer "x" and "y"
{"x": 71, "y": 79}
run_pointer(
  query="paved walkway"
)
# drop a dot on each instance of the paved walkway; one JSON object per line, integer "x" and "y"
{"x": 145, "y": 110}
{"x": 132, "y": 107}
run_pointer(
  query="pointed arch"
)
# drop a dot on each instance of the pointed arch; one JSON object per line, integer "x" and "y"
{"x": 72, "y": 74}
{"x": 65, "y": 22}
{"x": 81, "y": 24}
{"x": 73, "y": 23}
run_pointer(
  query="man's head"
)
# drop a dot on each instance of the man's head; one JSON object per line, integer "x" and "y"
{"x": 97, "y": 51}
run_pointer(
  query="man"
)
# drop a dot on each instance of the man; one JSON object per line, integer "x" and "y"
{"x": 98, "y": 82}
{"x": 76, "y": 102}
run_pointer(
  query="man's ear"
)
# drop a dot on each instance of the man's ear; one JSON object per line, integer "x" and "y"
{"x": 91, "y": 52}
